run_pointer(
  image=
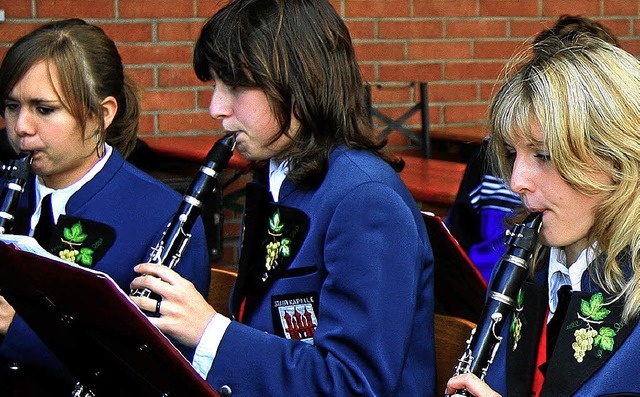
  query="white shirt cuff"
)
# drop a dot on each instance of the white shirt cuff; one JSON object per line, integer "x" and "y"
{"x": 208, "y": 345}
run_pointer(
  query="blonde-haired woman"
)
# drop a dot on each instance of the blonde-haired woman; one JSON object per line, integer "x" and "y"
{"x": 566, "y": 136}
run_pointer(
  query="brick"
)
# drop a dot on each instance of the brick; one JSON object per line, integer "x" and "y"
{"x": 206, "y": 8}
{"x": 147, "y": 124}
{"x": 556, "y": 8}
{"x": 75, "y": 9}
{"x": 489, "y": 90}
{"x": 445, "y": 8}
{"x": 179, "y": 31}
{"x": 434, "y": 50}
{"x": 12, "y": 31}
{"x": 376, "y": 9}
{"x": 155, "y": 8}
{"x": 183, "y": 122}
{"x": 204, "y": 99}
{"x": 361, "y": 30}
{"x": 145, "y": 54}
{"x": 368, "y": 72}
{"x": 619, "y": 27}
{"x": 128, "y": 32}
{"x": 142, "y": 76}
{"x": 496, "y": 49}
{"x": 410, "y": 72}
{"x": 379, "y": 51}
{"x": 631, "y": 46}
{"x": 465, "y": 113}
{"x": 476, "y": 29}
{"x": 168, "y": 100}
{"x": 177, "y": 77}
{"x": 473, "y": 70}
{"x": 620, "y": 7}
{"x": 16, "y": 9}
{"x": 527, "y": 29}
{"x": 452, "y": 92}
{"x": 502, "y": 8}
{"x": 410, "y": 29}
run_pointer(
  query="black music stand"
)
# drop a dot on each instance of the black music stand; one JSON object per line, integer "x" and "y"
{"x": 102, "y": 338}
{"x": 459, "y": 288}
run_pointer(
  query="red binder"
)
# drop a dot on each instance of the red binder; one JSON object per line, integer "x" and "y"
{"x": 460, "y": 290}
{"x": 103, "y": 339}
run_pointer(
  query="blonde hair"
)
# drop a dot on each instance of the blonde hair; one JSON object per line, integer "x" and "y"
{"x": 585, "y": 95}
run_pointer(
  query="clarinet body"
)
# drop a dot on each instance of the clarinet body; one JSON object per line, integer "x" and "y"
{"x": 169, "y": 249}
{"x": 17, "y": 172}
{"x": 512, "y": 269}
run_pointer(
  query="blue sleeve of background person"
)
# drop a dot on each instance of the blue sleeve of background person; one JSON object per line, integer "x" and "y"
{"x": 486, "y": 253}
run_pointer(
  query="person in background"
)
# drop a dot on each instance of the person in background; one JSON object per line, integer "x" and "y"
{"x": 66, "y": 100}
{"x": 334, "y": 294}
{"x": 477, "y": 217}
{"x": 565, "y": 131}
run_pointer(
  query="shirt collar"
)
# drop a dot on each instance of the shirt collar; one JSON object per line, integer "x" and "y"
{"x": 60, "y": 197}
{"x": 277, "y": 174}
{"x": 560, "y": 274}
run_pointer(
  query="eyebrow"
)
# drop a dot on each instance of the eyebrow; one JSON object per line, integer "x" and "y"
{"x": 34, "y": 101}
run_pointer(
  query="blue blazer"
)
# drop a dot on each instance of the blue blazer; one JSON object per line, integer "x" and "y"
{"x": 137, "y": 209}
{"x": 344, "y": 303}
{"x": 609, "y": 367}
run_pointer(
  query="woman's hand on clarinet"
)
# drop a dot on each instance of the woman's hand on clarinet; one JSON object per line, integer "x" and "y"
{"x": 472, "y": 384}
{"x": 183, "y": 312}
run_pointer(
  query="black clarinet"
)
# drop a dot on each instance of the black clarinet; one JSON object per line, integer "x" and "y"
{"x": 169, "y": 249}
{"x": 512, "y": 269}
{"x": 17, "y": 172}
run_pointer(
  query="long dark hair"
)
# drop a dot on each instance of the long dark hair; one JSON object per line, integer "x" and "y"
{"x": 300, "y": 53}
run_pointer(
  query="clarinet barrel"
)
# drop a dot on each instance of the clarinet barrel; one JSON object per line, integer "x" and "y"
{"x": 511, "y": 270}
{"x": 17, "y": 172}
{"x": 169, "y": 249}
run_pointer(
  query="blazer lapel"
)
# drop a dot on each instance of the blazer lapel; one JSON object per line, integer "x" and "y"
{"x": 253, "y": 232}
{"x": 589, "y": 336}
{"x": 522, "y": 352}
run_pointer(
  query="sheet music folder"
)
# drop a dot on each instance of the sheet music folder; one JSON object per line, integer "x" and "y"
{"x": 102, "y": 338}
{"x": 459, "y": 288}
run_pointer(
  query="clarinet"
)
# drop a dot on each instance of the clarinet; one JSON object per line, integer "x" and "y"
{"x": 17, "y": 172}
{"x": 175, "y": 238}
{"x": 512, "y": 268}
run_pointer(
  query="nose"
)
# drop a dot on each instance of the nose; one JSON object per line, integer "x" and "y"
{"x": 22, "y": 125}
{"x": 520, "y": 176}
{"x": 219, "y": 107}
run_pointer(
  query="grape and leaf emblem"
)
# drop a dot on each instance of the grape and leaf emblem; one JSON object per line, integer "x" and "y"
{"x": 517, "y": 320}
{"x": 592, "y": 313}
{"x": 74, "y": 237}
{"x": 278, "y": 246}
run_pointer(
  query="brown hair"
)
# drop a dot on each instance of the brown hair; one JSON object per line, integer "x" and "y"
{"x": 300, "y": 53}
{"x": 90, "y": 69}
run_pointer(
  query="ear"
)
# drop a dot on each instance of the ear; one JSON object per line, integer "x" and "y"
{"x": 109, "y": 110}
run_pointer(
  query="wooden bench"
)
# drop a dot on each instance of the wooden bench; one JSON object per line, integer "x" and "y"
{"x": 430, "y": 181}
{"x": 191, "y": 148}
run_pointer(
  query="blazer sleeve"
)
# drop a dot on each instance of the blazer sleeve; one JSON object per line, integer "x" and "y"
{"x": 378, "y": 264}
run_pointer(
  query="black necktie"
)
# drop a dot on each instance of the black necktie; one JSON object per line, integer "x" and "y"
{"x": 44, "y": 228}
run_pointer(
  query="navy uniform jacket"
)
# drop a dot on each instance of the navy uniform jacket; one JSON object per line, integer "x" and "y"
{"x": 131, "y": 210}
{"x": 608, "y": 367}
{"x": 344, "y": 303}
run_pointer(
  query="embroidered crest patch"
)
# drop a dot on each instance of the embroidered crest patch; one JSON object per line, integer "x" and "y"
{"x": 294, "y": 316}
{"x": 81, "y": 241}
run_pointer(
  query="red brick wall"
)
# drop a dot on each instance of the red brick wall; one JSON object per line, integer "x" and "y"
{"x": 458, "y": 46}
